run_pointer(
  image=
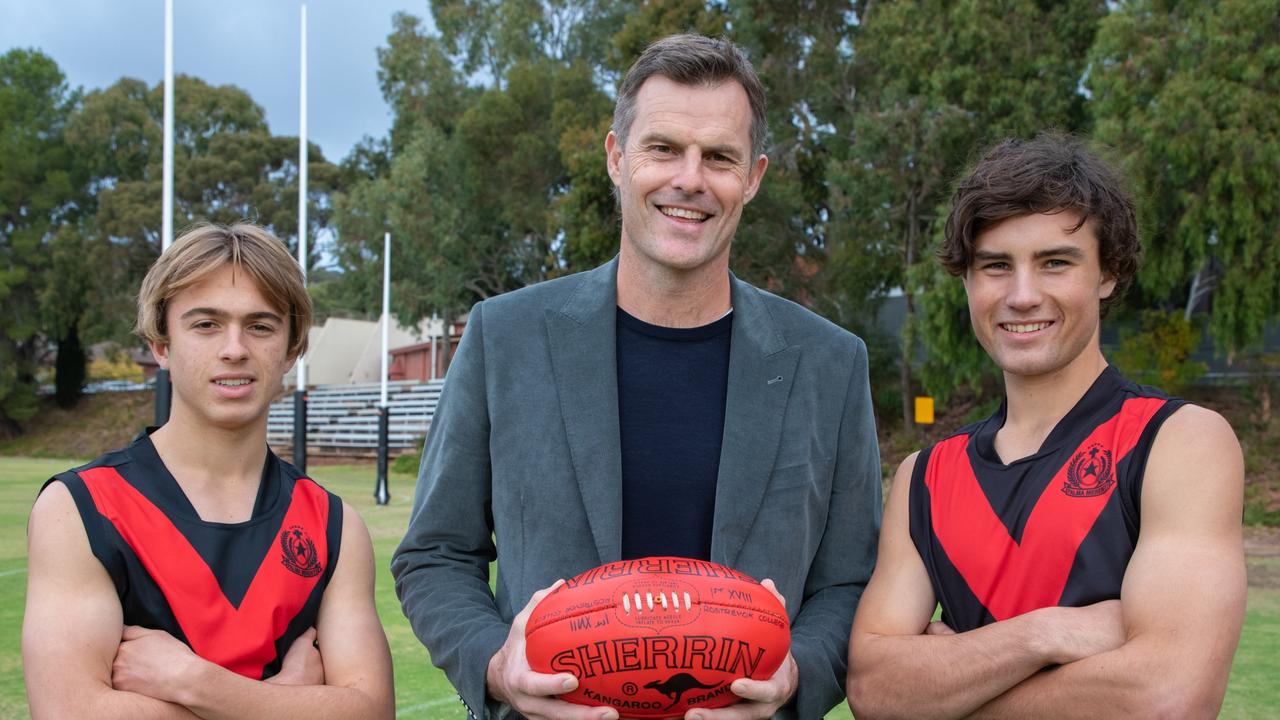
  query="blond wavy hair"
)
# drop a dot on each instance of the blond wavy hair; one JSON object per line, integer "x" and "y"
{"x": 204, "y": 249}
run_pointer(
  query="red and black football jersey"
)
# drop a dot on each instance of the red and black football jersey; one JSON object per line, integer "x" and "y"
{"x": 238, "y": 594}
{"x": 1054, "y": 528}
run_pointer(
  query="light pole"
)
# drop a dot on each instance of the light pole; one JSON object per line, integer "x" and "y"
{"x": 300, "y": 393}
{"x": 164, "y": 390}
{"x": 380, "y": 492}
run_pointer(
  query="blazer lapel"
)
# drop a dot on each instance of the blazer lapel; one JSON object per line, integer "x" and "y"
{"x": 583, "y": 346}
{"x": 761, "y": 371}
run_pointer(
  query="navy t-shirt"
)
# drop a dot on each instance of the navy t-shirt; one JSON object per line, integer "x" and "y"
{"x": 672, "y": 384}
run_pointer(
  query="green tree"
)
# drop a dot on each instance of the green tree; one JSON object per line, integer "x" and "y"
{"x": 419, "y": 82}
{"x": 227, "y": 167}
{"x": 932, "y": 82}
{"x": 67, "y": 296}
{"x": 39, "y": 188}
{"x": 799, "y": 49}
{"x": 94, "y": 250}
{"x": 587, "y": 212}
{"x": 1189, "y": 93}
{"x": 477, "y": 178}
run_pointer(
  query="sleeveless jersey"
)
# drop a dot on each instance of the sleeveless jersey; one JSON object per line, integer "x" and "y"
{"x": 1054, "y": 528}
{"x": 238, "y": 594}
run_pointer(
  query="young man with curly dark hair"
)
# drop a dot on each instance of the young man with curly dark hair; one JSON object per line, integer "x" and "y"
{"x": 1084, "y": 542}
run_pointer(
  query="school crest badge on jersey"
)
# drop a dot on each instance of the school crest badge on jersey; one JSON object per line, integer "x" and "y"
{"x": 1090, "y": 472}
{"x": 298, "y": 552}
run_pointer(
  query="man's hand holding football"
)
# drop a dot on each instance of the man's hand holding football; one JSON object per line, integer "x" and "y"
{"x": 760, "y": 698}
{"x": 511, "y": 680}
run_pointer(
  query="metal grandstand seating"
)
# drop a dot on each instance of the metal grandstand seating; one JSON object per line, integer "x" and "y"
{"x": 343, "y": 419}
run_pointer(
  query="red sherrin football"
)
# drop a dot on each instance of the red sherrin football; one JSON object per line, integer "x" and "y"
{"x": 658, "y": 636}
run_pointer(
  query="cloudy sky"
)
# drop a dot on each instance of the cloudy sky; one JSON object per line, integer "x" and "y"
{"x": 253, "y": 44}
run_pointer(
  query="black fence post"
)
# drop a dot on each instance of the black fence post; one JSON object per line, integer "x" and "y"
{"x": 300, "y": 430}
{"x": 380, "y": 492}
{"x": 164, "y": 396}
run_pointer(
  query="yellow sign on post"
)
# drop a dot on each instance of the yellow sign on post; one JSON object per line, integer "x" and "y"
{"x": 924, "y": 411}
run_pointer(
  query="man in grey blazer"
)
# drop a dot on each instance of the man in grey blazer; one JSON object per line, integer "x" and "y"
{"x": 654, "y": 405}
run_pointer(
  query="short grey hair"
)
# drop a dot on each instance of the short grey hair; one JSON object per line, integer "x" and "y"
{"x": 693, "y": 60}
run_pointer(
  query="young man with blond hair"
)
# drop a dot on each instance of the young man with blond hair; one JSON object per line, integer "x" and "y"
{"x": 193, "y": 573}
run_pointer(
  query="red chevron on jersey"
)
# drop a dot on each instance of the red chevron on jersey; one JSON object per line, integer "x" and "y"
{"x": 229, "y": 636}
{"x": 1011, "y": 578}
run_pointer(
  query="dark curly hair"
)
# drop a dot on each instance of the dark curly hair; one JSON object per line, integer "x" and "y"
{"x": 1053, "y": 173}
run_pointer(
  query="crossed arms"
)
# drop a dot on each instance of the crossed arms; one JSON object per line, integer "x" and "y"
{"x": 1163, "y": 649}
{"x": 81, "y": 661}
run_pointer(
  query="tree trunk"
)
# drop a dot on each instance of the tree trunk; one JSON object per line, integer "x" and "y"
{"x": 69, "y": 368}
{"x": 908, "y": 320}
{"x": 904, "y": 369}
{"x": 9, "y": 429}
{"x": 447, "y": 319}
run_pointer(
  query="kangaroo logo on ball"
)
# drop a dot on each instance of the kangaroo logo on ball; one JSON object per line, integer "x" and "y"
{"x": 677, "y": 685}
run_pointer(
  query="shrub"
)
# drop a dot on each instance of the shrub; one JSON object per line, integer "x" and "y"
{"x": 1159, "y": 352}
{"x": 407, "y": 464}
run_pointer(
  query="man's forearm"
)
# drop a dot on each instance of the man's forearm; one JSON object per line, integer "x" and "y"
{"x": 1052, "y": 688}
{"x": 820, "y": 646}
{"x": 1131, "y": 681}
{"x": 452, "y": 611}
{"x": 108, "y": 704}
{"x": 943, "y": 676}
{"x": 219, "y": 694}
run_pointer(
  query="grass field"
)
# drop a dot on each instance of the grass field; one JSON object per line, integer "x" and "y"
{"x": 421, "y": 690}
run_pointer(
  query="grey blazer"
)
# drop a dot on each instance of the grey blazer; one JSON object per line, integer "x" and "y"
{"x": 522, "y": 465}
